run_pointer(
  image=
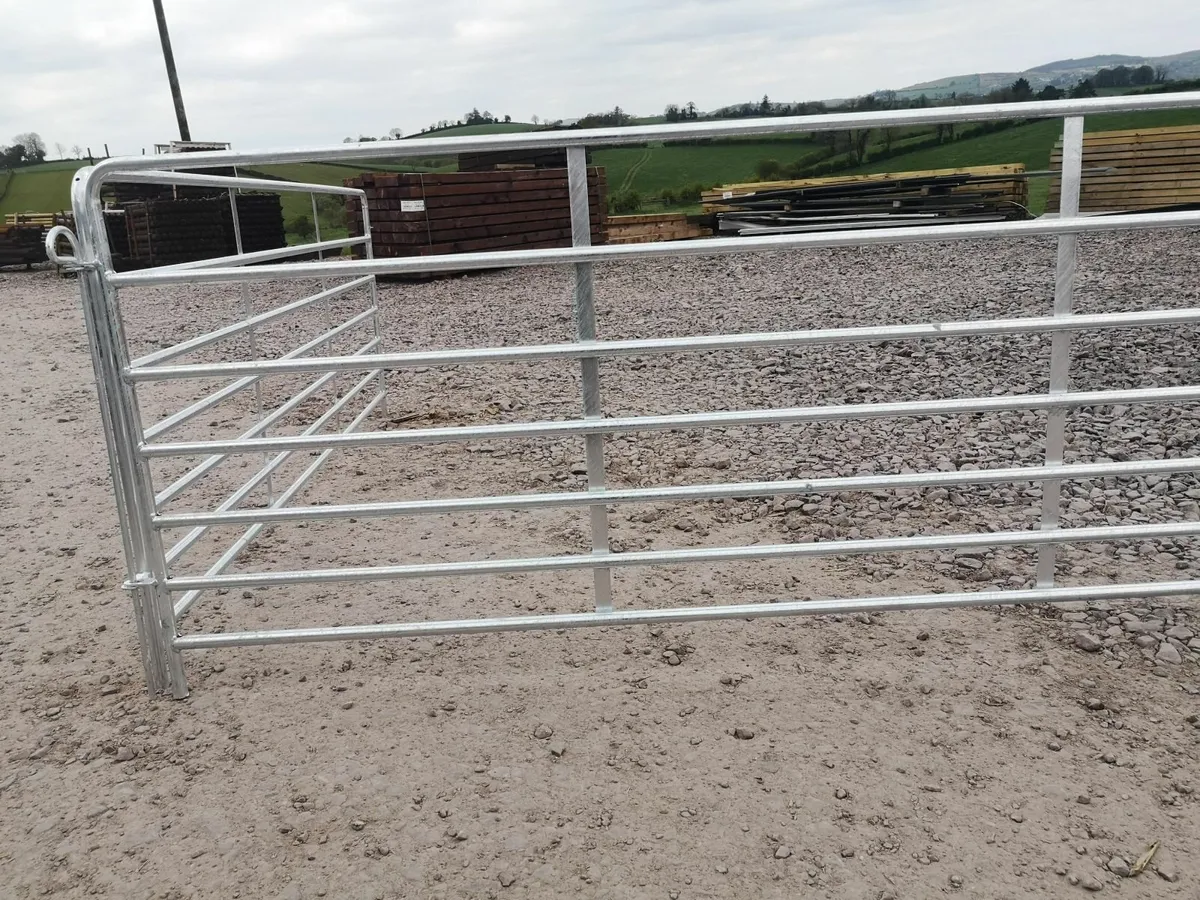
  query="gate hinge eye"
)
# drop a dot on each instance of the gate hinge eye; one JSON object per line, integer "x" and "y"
{"x": 71, "y": 263}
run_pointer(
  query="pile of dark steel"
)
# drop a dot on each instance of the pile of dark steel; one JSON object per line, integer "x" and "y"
{"x": 891, "y": 202}
{"x": 425, "y": 214}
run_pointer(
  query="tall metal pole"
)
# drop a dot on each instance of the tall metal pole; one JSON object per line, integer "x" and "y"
{"x": 185, "y": 133}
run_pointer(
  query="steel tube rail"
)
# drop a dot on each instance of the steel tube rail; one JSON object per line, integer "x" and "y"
{"x": 786, "y": 416}
{"x": 503, "y": 259}
{"x": 185, "y": 543}
{"x": 236, "y": 181}
{"x": 247, "y": 324}
{"x": 261, "y": 256}
{"x": 176, "y": 419}
{"x": 185, "y": 481}
{"x": 189, "y": 599}
{"x": 1098, "y": 534}
{"x": 673, "y": 493}
{"x": 637, "y": 134}
{"x": 1135, "y": 591}
{"x": 691, "y": 344}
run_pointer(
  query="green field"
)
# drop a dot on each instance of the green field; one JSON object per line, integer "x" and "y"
{"x": 659, "y": 167}
{"x": 47, "y": 187}
{"x": 652, "y": 169}
{"x": 41, "y": 188}
{"x": 1030, "y": 144}
{"x": 464, "y": 130}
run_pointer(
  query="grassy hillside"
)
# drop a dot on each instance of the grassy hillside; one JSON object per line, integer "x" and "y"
{"x": 493, "y": 128}
{"x": 653, "y": 169}
{"x": 1029, "y": 144}
{"x": 649, "y": 170}
{"x": 42, "y": 188}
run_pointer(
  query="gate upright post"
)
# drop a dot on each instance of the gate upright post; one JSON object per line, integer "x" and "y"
{"x": 145, "y": 560}
{"x": 1060, "y": 346}
{"x": 585, "y": 321}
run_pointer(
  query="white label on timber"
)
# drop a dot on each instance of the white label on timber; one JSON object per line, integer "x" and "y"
{"x": 726, "y": 195}
{"x": 412, "y": 206}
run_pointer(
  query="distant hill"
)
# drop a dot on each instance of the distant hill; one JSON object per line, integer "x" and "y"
{"x": 1090, "y": 62}
{"x": 1061, "y": 73}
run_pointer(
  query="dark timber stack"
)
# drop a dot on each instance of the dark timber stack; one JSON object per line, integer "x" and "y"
{"x": 261, "y": 220}
{"x": 22, "y": 245}
{"x": 1145, "y": 168}
{"x": 513, "y": 159}
{"x": 461, "y": 212}
{"x": 165, "y": 231}
{"x": 23, "y": 236}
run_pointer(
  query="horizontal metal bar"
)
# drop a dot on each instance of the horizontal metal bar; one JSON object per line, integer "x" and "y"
{"x": 279, "y": 312}
{"x": 185, "y": 481}
{"x": 695, "y": 344}
{"x": 1110, "y": 592}
{"x": 245, "y": 184}
{"x": 787, "y": 416}
{"x": 697, "y": 555}
{"x": 245, "y": 259}
{"x": 682, "y": 493}
{"x": 503, "y": 259}
{"x": 176, "y": 419}
{"x": 189, "y": 599}
{"x": 637, "y": 134}
{"x": 185, "y": 603}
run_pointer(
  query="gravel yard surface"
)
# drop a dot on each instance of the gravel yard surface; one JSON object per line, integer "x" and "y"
{"x": 983, "y": 753}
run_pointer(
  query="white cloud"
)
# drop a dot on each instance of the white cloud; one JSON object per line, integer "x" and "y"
{"x": 269, "y": 73}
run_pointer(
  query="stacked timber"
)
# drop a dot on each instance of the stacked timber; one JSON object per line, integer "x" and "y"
{"x": 513, "y": 159}
{"x": 1139, "y": 169}
{"x": 885, "y": 200}
{"x": 652, "y": 228}
{"x": 22, "y": 245}
{"x": 167, "y": 231}
{"x": 260, "y": 217}
{"x": 460, "y": 212}
{"x": 23, "y": 236}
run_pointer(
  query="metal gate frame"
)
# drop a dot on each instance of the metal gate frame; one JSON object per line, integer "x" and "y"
{"x": 160, "y": 598}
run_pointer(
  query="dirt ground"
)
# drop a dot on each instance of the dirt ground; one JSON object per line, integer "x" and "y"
{"x": 989, "y": 753}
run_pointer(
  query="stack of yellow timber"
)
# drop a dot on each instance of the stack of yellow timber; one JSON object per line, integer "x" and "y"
{"x": 1015, "y": 190}
{"x": 34, "y": 219}
{"x": 648, "y": 229}
{"x": 1149, "y": 168}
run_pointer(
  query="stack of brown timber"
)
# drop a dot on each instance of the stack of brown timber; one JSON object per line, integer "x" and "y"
{"x": 429, "y": 214}
{"x": 1150, "y": 168}
{"x": 648, "y": 229}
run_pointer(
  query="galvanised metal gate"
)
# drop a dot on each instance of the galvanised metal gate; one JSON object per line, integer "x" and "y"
{"x": 161, "y": 598}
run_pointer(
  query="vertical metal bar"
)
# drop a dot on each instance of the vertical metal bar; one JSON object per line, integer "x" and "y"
{"x": 328, "y": 303}
{"x": 585, "y": 321}
{"x": 1060, "y": 347}
{"x": 369, "y": 253}
{"x": 145, "y": 559}
{"x": 247, "y": 312}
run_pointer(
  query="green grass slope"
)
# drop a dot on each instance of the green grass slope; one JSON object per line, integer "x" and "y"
{"x": 41, "y": 188}
{"x": 493, "y": 128}
{"x": 652, "y": 169}
{"x": 1030, "y": 144}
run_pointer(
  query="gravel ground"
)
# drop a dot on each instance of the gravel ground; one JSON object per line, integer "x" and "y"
{"x": 986, "y": 753}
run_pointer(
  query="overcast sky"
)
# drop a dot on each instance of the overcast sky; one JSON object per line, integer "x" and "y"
{"x": 274, "y": 73}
